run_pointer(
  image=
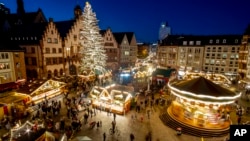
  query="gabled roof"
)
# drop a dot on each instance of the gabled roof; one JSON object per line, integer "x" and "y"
{"x": 27, "y": 18}
{"x": 120, "y": 35}
{"x": 64, "y": 27}
{"x": 102, "y": 32}
{"x": 33, "y": 32}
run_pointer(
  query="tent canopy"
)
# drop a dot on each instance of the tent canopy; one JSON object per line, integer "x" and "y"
{"x": 83, "y": 138}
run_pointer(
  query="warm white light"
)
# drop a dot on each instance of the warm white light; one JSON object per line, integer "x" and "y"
{"x": 204, "y": 96}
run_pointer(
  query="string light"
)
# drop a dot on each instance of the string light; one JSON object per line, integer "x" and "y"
{"x": 19, "y": 128}
{"x": 204, "y": 96}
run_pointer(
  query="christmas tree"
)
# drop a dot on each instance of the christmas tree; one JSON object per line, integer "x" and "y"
{"x": 93, "y": 56}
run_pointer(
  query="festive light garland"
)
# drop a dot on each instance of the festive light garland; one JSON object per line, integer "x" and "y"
{"x": 25, "y": 124}
{"x": 204, "y": 96}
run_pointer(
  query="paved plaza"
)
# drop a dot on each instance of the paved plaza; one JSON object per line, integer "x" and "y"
{"x": 127, "y": 125}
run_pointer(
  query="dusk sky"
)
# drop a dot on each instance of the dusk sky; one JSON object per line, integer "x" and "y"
{"x": 144, "y": 17}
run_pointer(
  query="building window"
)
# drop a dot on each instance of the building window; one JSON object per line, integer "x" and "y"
{"x": 52, "y": 32}
{"x": 210, "y": 41}
{"x": 198, "y": 42}
{"x": 49, "y": 40}
{"x": 4, "y": 56}
{"x": 17, "y": 55}
{"x": 191, "y": 42}
{"x": 224, "y": 41}
{"x": 55, "y": 40}
{"x": 217, "y": 41}
{"x": 33, "y": 50}
{"x": 59, "y": 50}
{"x": 17, "y": 65}
{"x": 126, "y": 53}
{"x": 54, "y": 60}
{"x": 48, "y": 61}
{"x": 60, "y": 60}
{"x": 33, "y": 61}
{"x": 185, "y": 43}
{"x": 47, "y": 50}
{"x": 53, "y": 50}
{"x": 236, "y": 41}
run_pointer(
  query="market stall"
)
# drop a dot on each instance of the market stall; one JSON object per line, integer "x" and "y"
{"x": 116, "y": 98}
{"x": 39, "y": 90}
{"x": 201, "y": 103}
{"x": 14, "y": 104}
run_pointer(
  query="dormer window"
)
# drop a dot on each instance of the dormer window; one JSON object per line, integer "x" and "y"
{"x": 224, "y": 41}
{"x": 210, "y": 41}
{"x": 217, "y": 41}
{"x": 236, "y": 41}
{"x": 191, "y": 42}
{"x": 184, "y": 42}
{"x": 198, "y": 42}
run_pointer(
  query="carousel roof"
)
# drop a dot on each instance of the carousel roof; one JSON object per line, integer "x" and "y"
{"x": 203, "y": 86}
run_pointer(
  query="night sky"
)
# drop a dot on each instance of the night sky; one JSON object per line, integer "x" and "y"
{"x": 144, "y": 17}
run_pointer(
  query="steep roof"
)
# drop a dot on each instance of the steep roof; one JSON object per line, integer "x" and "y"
{"x": 118, "y": 37}
{"x": 27, "y": 33}
{"x": 64, "y": 27}
{"x": 27, "y": 18}
{"x": 203, "y": 86}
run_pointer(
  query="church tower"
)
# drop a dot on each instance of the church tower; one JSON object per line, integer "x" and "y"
{"x": 164, "y": 30}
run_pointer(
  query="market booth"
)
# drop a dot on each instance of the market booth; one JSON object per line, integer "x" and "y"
{"x": 116, "y": 98}
{"x": 15, "y": 103}
{"x": 201, "y": 103}
{"x": 39, "y": 90}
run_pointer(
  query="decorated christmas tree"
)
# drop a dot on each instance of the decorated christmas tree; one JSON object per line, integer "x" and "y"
{"x": 93, "y": 56}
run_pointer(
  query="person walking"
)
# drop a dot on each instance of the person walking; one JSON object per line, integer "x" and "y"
{"x": 132, "y": 137}
{"x": 104, "y": 136}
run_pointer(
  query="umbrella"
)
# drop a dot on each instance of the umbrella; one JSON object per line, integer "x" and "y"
{"x": 83, "y": 138}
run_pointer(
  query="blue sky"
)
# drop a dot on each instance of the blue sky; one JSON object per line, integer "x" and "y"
{"x": 144, "y": 17}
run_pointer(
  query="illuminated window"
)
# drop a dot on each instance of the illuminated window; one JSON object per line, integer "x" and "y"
{"x": 184, "y": 42}
{"x": 49, "y": 40}
{"x": 198, "y": 42}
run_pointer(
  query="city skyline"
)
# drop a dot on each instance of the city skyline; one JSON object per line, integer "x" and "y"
{"x": 144, "y": 19}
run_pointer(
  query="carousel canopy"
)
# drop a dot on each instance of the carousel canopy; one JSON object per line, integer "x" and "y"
{"x": 203, "y": 89}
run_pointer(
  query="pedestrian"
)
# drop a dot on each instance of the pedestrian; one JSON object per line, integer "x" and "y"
{"x": 97, "y": 125}
{"x": 132, "y": 137}
{"x": 104, "y": 136}
{"x": 141, "y": 118}
{"x": 100, "y": 122}
{"x": 114, "y": 116}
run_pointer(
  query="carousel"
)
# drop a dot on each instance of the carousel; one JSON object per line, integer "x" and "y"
{"x": 200, "y": 102}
